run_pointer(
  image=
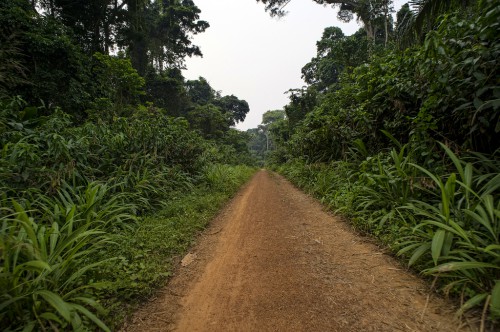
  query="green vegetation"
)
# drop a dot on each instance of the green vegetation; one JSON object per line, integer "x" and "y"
{"x": 146, "y": 254}
{"x": 401, "y": 137}
{"x": 110, "y": 165}
{"x": 109, "y": 156}
{"x": 70, "y": 259}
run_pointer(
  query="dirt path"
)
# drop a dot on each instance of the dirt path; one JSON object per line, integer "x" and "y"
{"x": 275, "y": 261}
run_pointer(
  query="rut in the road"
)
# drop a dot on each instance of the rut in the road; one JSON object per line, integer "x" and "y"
{"x": 275, "y": 261}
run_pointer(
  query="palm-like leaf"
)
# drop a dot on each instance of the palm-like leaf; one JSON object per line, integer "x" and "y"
{"x": 414, "y": 25}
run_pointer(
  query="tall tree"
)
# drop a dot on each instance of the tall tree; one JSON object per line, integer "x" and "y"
{"x": 174, "y": 22}
{"x": 272, "y": 127}
{"x": 335, "y": 53}
{"x": 155, "y": 33}
{"x": 159, "y": 32}
{"x": 302, "y": 101}
{"x": 366, "y": 11}
{"x": 54, "y": 68}
{"x": 167, "y": 90}
{"x": 234, "y": 107}
{"x": 200, "y": 91}
{"x": 135, "y": 34}
{"x": 94, "y": 22}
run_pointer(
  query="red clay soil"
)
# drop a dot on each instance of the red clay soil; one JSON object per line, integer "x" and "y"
{"x": 275, "y": 261}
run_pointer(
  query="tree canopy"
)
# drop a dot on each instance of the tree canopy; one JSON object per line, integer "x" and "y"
{"x": 374, "y": 14}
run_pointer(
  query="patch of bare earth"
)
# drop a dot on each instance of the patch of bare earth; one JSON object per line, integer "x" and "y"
{"x": 275, "y": 261}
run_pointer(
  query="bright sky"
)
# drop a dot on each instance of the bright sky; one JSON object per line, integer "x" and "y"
{"x": 257, "y": 58}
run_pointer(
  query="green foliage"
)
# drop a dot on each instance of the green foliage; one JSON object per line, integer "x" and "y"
{"x": 44, "y": 267}
{"x": 444, "y": 225}
{"x": 52, "y": 67}
{"x": 44, "y": 152}
{"x": 12, "y": 72}
{"x": 444, "y": 90}
{"x": 58, "y": 52}
{"x": 455, "y": 232}
{"x": 86, "y": 194}
{"x": 406, "y": 147}
{"x": 328, "y": 182}
{"x": 224, "y": 178}
{"x": 118, "y": 82}
{"x": 374, "y": 14}
{"x": 413, "y": 25}
{"x": 200, "y": 92}
{"x": 158, "y": 33}
{"x": 146, "y": 253}
{"x": 209, "y": 120}
{"x": 235, "y": 108}
{"x": 336, "y": 53}
{"x": 167, "y": 91}
{"x": 212, "y": 113}
{"x": 257, "y": 144}
{"x": 72, "y": 207}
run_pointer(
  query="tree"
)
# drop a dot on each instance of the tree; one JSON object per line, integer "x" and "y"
{"x": 53, "y": 68}
{"x": 270, "y": 124}
{"x": 235, "y": 108}
{"x": 12, "y": 71}
{"x": 200, "y": 92}
{"x": 335, "y": 53}
{"x": 173, "y": 24}
{"x": 159, "y": 32}
{"x": 95, "y": 23}
{"x": 302, "y": 101}
{"x": 366, "y": 11}
{"x": 90, "y": 21}
{"x": 415, "y": 22}
{"x": 167, "y": 90}
{"x": 257, "y": 144}
{"x": 154, "y": 33}
{"x": 118, "y": 82}
{"x": 209, "y": 120}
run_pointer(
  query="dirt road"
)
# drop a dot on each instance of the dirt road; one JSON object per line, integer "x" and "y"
{"x": 275, "y": 261}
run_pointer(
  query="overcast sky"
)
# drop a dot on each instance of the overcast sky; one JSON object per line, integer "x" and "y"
{"x": 257, "y": 58}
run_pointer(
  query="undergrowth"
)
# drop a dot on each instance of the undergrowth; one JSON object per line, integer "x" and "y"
{"x": 443, "y": 223}
{"x": 405, "y": 145}
{"x": 78, "y": 259}
{"x": 145, "y": 255}
{"x": 92, "y": 215}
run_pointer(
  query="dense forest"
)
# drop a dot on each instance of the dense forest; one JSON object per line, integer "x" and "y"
{"x": 398, "y": 130}
{"x": 108, "y": 155}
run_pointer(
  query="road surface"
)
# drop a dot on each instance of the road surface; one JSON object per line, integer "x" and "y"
{"x": 274, "y": 260}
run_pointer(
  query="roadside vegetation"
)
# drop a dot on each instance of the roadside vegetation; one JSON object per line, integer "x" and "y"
{"x": 398, "y": 132}
{"x": 110, "y": 162}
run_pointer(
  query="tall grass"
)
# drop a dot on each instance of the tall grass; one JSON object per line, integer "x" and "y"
{"x": 225, "y": 178}
{"x": 455, "y": 234}
{"x": 43, "y": 277}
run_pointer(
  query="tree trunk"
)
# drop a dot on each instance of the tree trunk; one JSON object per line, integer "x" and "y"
{"x": 386, "y": 23}
{"x": 370, "y": 32}
{"x": 138, "y": 45}
{"x": 107, "y": 42}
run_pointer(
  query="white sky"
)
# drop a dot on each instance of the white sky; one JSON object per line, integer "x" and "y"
{"x": 258, "y": 58}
